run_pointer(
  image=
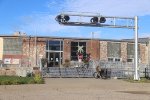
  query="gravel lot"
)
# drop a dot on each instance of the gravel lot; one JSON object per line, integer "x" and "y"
{"x": 77, "y": 89}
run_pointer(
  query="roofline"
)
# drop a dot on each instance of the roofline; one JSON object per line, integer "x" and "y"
{"x": 75, "y": 38}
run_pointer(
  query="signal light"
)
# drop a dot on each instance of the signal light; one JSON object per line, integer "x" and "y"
{"x": 94, "y": 20}
{"x": 66, "y": 18}
{"x": 62, "y": 18}
{"x": 102, "y": 20}
{"x": 58, "y": 18}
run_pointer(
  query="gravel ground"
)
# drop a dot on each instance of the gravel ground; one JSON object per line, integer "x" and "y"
{"x": 77, "y": 89}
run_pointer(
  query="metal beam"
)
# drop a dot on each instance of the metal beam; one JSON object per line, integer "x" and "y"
{"x": 88, "y": 14}
{"x": 95, "y": 25}
{"x": 136, "y": 76}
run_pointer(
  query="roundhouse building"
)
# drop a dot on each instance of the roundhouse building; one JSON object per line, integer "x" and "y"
{"x": 20, "y": 49}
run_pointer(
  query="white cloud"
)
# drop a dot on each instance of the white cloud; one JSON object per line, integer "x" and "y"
{"x": 110, "y": 7}
{"x": 143, "y": 35}
{"x": 46, "y": 24}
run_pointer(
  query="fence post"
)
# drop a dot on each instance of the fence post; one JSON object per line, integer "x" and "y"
{"x": 145, "y": 72}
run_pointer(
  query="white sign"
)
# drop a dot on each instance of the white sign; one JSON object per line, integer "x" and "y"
{"x": 7, "y": 61}
{"x": 15, "y": 61}
{"x": 11, "y": 61}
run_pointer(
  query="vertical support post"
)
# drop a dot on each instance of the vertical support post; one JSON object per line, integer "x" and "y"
{"x": 35, "y": 50}
{"x": 60, "y": 54}
{"x": 40, "y": 64}
{"x": 92, "y": 37}
{"x": 136, "y": 76}
{"x": 29, "y": 60}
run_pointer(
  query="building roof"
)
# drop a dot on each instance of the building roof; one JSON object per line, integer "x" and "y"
{"x": 141, "y": 40}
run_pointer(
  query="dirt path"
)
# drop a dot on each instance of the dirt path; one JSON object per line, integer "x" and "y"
{"x": 77, "y": 89}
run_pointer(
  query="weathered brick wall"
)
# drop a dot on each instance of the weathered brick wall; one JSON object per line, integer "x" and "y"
{"x": 41, "y": 49}
{"x": 124, "y": 51}
{"x": 1, "y": 48}
{"x": 93, "y": 48}
{"x": 67, "y": 49}
{"x": 142, "y": 55}
{"x": 28, "y": 51}
{"x": 98, "y": 50}
{"x": 15, "y": 71}
{"x": 8, "y": 71}
{"x": 33, "y": 50}
{"x": 149, "y": 51}
{"x": 103, "y": 50}
{"x": 88, "y": 46}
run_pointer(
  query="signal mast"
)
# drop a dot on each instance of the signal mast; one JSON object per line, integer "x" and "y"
{"x": 97, "y": 20}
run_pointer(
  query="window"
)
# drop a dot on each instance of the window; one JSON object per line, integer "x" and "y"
{"x": 129, "y": 60}
{"x": 110, "y": 59}
{"x": 117, "y": 59}
{"x": 131, "y": 50}
{"x": 114, "y": 59}
{"x": 13, "y": 46}
{"x": 54, "y": 53}
{"x": 113, "y": 49}
{"x": 74, "y": 49}
{"x": 54, "y": 45}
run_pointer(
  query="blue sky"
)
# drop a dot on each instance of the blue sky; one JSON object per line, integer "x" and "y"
{"x": 37, "y": 17}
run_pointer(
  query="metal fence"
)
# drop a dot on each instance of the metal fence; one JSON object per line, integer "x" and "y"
{"x": 147, "y": 72}
{"x": 67, "y": 72}
{"x": 112, "y": 69}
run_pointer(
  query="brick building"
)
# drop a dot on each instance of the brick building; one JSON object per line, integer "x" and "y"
{"x": 27, "y": 50}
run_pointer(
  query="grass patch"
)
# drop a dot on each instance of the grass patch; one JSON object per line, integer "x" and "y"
{"x": 16, "y": 80}
{"x": 142, "y": 80}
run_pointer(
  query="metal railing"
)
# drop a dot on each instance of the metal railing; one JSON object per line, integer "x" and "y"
{"x": 115, "y": 69}
{"x": 147, "y": 72}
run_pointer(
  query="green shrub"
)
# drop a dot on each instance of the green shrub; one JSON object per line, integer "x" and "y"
{"x": 6, "y": 82}
{"x": 15, "y": 80}
{"x": 38, "y": 78}
{"x": 142, "y": 80}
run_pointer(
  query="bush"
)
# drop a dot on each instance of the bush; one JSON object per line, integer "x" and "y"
{"x": 38, "y": 78}
{"x": 15, "y": 80}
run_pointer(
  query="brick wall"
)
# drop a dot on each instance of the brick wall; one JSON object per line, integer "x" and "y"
{"x": 98, "y": 50}
{"x": 93, "y": 48}
{"x": 124, "y": 51}
{"x": 33, "y": 52}
{"x": 149, "y": 52}
{"x": 143, "y": 53}
{"x": 103, "y": 50}
{"x": 67, "y": 49}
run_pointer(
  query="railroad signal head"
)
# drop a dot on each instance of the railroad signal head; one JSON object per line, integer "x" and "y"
{"x": 58, "y": 18}
{"x": 97, "y": 19}
{"x": 94, "y": 20}
{"x": 102, "y": 20}
{"x": 66, "y": 18}
{"x": 62, "y": 18}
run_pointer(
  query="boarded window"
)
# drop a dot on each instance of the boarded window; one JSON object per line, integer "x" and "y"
{"x": 131, "y": 50}
{"x": 113, "y": 50}
{"x": 12, "y": 46}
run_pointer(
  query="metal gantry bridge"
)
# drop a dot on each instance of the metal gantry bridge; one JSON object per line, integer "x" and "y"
{"x": 98, "y": 20}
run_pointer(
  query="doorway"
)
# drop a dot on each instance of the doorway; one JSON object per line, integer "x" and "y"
{"x": 54, "y": 59}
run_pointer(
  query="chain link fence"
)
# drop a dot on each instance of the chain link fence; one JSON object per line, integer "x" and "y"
{"x": 112, "y": 69}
